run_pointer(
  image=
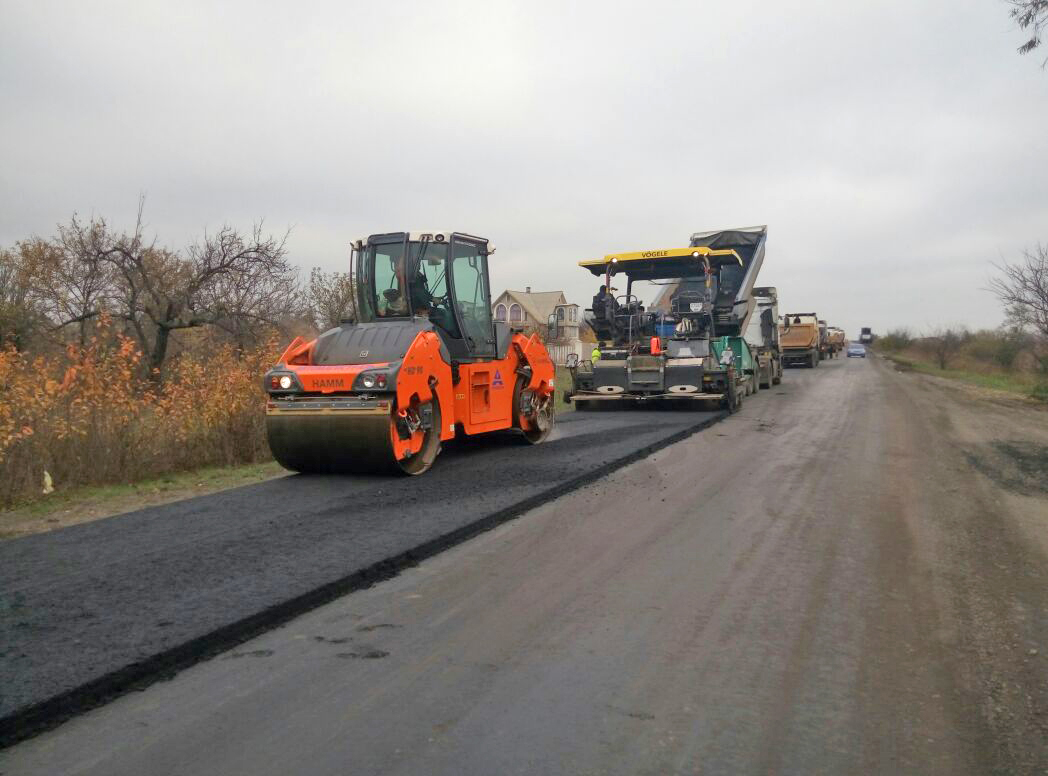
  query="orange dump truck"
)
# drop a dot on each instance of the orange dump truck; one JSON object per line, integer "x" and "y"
{"x": 837, "y": 340}
{"x": 800, "y": 339}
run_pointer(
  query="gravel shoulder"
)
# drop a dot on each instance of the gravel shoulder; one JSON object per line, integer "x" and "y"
{"x": 977, "y": 507}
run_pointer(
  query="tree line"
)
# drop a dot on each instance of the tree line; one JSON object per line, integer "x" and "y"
{"x": 239, "y": 286}
{"x": 1019, "y": 345}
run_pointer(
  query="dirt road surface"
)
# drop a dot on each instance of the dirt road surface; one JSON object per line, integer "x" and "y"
{"x": 848, "y": 577}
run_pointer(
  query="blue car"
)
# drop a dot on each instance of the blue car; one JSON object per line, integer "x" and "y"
{"x": 858, "y": 351}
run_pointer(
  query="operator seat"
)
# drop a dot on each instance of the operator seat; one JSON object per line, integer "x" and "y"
{"x": 682, "y": 302}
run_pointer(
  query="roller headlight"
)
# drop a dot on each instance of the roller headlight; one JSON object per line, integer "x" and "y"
{"x": 368, "y": 381}
{"x": 285, "y": 382}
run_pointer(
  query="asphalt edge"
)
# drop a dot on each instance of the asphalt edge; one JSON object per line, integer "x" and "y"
{"x": 40, "y": 717}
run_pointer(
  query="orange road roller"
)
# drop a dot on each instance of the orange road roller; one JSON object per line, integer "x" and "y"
{"x": 421, "y": 362}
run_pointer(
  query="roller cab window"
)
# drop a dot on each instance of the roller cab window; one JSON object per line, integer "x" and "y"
{"x": 469, "y": 278}
{"x": 383, "y": 277}
{"x": 401, "y": 278}
{"x": 428, "y": 293}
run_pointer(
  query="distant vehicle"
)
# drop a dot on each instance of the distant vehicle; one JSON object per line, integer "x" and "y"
{"x": 866, "y": 335}
{"x": 800, "y": 339}
{"x": 837, "y": 340}
{"x": 857, "y": 351}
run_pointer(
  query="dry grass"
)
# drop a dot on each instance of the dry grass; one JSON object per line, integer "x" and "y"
{"x": 972, "y": 373}
{"x": 88, "y": 417}
{"x": 1007, "y": 361}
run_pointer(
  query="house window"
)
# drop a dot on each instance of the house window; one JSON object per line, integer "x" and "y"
{"x": 500, "y": 312}
{"x": 560, "y": 313}
{"x": 515, "y": 313}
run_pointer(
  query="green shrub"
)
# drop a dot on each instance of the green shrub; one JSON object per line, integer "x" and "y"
{"x": 997, "y": 347}
{"x": 896, "y": 339}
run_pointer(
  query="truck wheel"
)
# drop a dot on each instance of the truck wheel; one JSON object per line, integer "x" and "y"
{"x": 730, "y": 404}
{"x": 731, "y": 400}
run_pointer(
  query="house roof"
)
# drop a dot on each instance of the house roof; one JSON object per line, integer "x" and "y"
{"x": 538, "y": 304}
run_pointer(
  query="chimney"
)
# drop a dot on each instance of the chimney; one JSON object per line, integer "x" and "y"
{"x": 527, "y": 290}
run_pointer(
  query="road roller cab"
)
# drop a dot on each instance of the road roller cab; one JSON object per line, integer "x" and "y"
{"x": 423, "y": 361}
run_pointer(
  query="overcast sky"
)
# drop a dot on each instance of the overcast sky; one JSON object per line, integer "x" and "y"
{"x": 893, "y": 147}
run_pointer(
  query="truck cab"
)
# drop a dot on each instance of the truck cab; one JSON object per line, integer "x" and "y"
{"x": 762, "y": 337}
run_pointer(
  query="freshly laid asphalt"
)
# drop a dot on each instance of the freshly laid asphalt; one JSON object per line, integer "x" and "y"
{"x": 90, "y": 611}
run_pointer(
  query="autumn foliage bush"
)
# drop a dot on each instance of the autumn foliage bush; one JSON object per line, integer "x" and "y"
{"x": 93, "y": 415}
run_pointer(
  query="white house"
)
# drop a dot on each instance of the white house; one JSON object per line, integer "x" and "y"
{"x": 532, "y": 309}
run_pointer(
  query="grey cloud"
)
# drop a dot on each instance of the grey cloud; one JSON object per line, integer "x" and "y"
{"x": 893, "y": 148}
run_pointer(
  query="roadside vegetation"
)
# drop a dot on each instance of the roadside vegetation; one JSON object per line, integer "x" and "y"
{"x": 121, "y": 360}
{"x": 91, "y": 414}
{"x": 1013, "y": 358}
{"x": 982, "y": 358}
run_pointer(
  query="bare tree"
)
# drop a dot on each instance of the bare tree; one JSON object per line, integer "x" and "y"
{"x": 21, "y": 316}
{"x": 66, "y": 280}
{"x": 331, "y": 298}
{"x": 226, "y": 279}
{"x": 945, "y": 344}
{"x": 1023, "y": 289}
{"x": 251, "y": 287}
{"x": 1030, "y": 15}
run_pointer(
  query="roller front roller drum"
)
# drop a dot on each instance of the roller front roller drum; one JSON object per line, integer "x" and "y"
{"x": 337, "y": 439}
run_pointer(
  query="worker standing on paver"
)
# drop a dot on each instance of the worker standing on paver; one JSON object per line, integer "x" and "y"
{"x": 595, "y": 355}
{"x": 727, "y": 356}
